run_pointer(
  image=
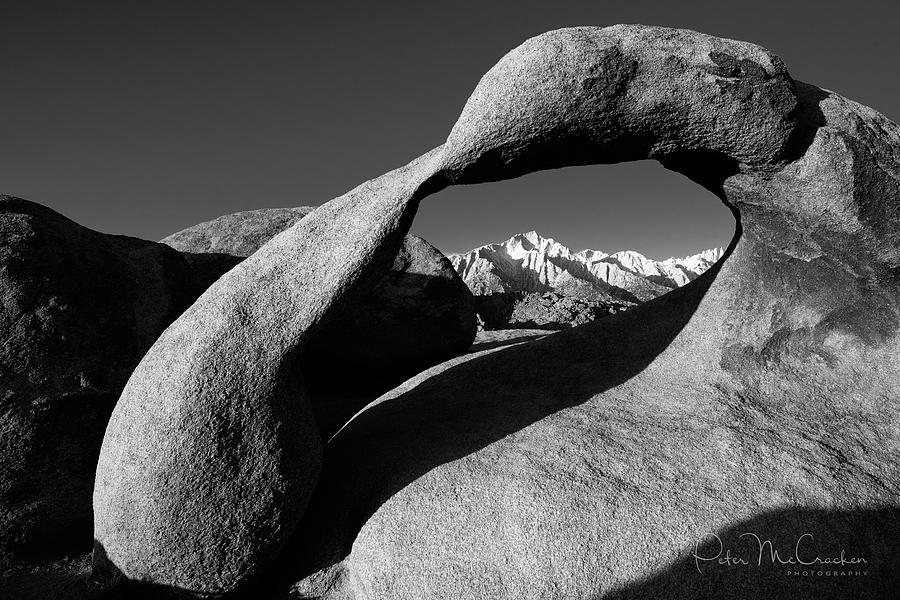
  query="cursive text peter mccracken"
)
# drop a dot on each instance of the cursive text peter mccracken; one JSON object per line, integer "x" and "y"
{"x": 803, "y": 554}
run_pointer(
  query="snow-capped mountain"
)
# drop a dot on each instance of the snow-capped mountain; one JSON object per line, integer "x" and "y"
{"x": 529, "y": 262}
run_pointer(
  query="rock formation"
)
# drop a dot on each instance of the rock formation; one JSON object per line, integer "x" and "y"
{"x": 219, "y": 384}
{"x": 418, "y": 315}
{"x": 237, "y": 234}
{"x": 78, "y": 309}
{"x": 213, "y": 248}
{"x": 585, "y": 464}
{"x": 529, "y": 262}
{"x": 81, "y": 308}
{"x": 759, "y": 397}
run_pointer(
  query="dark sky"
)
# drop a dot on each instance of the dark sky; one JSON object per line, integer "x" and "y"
{"x": 144, "y": 118}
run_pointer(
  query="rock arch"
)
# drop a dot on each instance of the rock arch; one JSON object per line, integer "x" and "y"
{"x": 209, "y": 462}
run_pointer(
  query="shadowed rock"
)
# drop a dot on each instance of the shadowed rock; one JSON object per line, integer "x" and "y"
{"x": 419, "y": 314}
{"x": 580, "y": 464}
{"x": 78, "y": 309}
{"x": 416, "y": 316}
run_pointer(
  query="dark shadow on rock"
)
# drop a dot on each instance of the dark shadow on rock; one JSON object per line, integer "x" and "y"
{"x": 809, "y": 118}
{"x": 496, "y": 309}
{"x": 452, "y": 414}
{"x": 56, "y": 581}
{"x": 207, "y": 267}
{"x": 106, "y": 582}
{"x": 355, "y": 348}
{"x": 373, "y": 342}
{"x": 355, "y": 360}
{"x": 78, "y": 310}
{"x": 55, "y": 479}
{"x": 380, "y": 338}
{"x": 752, "y": 569}
{"x": 103, "y": 581}
{"x": 71, "y": 579}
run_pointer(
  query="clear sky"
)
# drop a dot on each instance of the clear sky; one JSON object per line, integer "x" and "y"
{"x": 144, "y": 118}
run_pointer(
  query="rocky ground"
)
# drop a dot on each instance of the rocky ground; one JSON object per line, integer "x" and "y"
{"x": 548, "y": 310}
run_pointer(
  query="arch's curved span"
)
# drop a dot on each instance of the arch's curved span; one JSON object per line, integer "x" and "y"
{"x": 587, "y": 95}
{"x": 736, "y": 375}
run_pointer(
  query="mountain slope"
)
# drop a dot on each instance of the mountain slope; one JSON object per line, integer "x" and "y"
{"x": 529, "y": 262}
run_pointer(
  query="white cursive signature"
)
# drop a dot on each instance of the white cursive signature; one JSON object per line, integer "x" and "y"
{"x": 801, "y": 555}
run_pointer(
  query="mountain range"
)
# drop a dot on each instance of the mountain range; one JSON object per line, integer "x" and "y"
{"x": 529, "y": 262}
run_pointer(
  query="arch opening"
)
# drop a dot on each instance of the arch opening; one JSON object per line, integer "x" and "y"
{"x": 561, "y": 247}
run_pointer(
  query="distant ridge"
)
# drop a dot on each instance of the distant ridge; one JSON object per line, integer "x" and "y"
{"x": 529, "y": 262}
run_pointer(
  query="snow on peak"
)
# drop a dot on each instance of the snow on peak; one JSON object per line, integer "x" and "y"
{"x": 531, "y": 262}
{"x": 524, "y": 243}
